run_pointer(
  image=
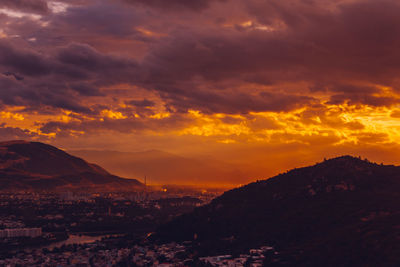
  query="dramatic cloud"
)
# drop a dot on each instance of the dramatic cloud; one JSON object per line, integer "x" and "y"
{"x": 12, "y": 133}
{"x": 203, "y": 77}
{"x": 35, "y": 6}
{"x": 174, "y": 4}
{"x": 23, "y": 61}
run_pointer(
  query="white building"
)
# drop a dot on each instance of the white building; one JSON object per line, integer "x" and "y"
{"x": 21, "y": 232}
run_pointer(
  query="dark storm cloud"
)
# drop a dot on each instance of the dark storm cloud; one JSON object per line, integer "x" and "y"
{"x": 34, "y": 6}
{"x": 233, "y": 103}
{"x": 86, "y": 89}
{"x": 363, "y": 99}
{"x": 308, "y": 41}
{"x": 318, "y": 46}
{"x": 23, "y": 61}
{"x": 13, "y": 133}
{"x": 100, "y": 18}
{"x": 355, "y": 37}
{"x": 17, "y": 77}
{"x": 194, "y": 62}
{"x": 128, "y": 125}
{"x": 194, "y": 5}
{"x": 59, "y": 77}
{"x": 140, "y": 103}
{"x": 356, "y": 95}
{"x": 85, "y": 57}
{"x": 37, "y": 96}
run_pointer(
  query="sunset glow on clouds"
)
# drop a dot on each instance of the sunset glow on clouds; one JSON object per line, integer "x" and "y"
{"x": 264, "y": 84}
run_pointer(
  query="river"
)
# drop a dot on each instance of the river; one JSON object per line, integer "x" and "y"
{"x": 75, "y": 239}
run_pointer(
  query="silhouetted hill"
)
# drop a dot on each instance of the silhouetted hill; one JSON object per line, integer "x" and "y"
{"x": 38, "y": 166}
{"x": 341, "y": 212}
{"x": 164, "y": 168}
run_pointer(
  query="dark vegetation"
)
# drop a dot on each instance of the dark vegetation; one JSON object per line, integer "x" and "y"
{"x": 341, "y": 212}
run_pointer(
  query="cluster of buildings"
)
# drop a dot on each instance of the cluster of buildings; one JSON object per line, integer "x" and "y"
{"x": 100, "y": 254}
{"x": 82, "y": 257}
{"x": 11, "y": 222}
{"x": 170, "y": 254}
{"x": 96, "y": 254}
{"x": 138, "y": 197}
{"x": 255, "y": 258}
{"x": 21, "y": 232}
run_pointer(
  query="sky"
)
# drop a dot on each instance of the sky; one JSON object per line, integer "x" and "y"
{"x": 266, "y": 85}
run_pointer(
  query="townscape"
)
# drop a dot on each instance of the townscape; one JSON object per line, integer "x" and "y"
{"x": 107, "y": 253}
{"x": 65, "y": 240}
{"x": 36, "y": 227}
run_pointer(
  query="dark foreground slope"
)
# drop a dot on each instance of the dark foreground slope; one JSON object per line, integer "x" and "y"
{"x": 342, "y": 212}
{"x": 37, "y": 166}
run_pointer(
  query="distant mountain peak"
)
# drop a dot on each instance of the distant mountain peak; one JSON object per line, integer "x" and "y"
{"x": 346, "y": 171}
{"x": 348, "y": 159}
{"x": 346, "y": 162}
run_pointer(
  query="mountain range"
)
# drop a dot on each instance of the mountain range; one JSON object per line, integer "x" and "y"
{"x": 340, "y": 212}
{"x": 37, "y": 166}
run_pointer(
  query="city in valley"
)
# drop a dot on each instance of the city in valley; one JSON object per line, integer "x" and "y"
{"x": 102, "y": 229}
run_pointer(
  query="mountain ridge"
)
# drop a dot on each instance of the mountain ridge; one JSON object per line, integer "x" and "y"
{"x": 39, "y": 166}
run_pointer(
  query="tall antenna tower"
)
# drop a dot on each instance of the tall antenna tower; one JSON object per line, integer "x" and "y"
{"x": 145, "y": 188}
{"x": 145, "y": 184}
